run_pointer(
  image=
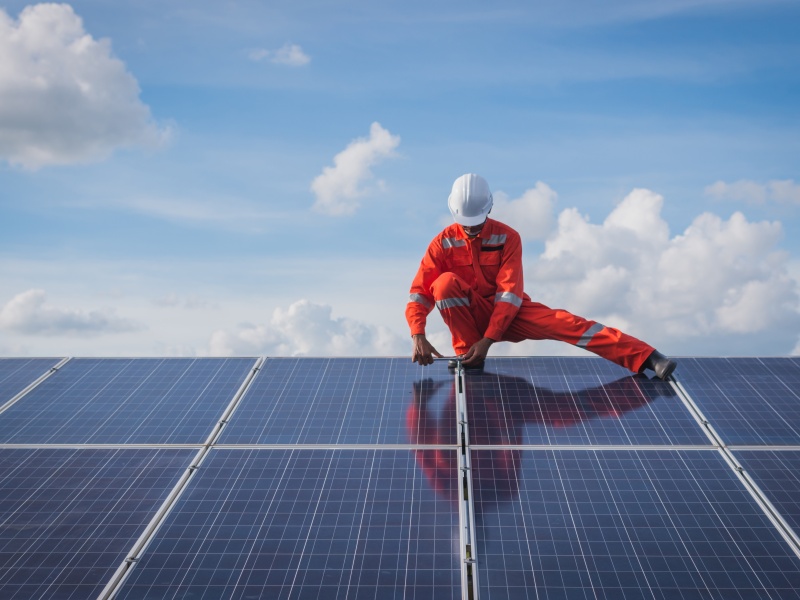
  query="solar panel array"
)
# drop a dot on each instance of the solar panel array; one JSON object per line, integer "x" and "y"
{"x": 376, "y": 478}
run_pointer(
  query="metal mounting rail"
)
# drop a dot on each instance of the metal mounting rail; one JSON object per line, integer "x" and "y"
{"x": 124, "y": 569}
{"x": 466, "y": 513}
{"x": 749, "y": 483}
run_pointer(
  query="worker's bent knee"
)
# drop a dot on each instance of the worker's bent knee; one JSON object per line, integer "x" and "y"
{"x": 448, "y": 285}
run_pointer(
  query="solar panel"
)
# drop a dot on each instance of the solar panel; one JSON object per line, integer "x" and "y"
{"x": 17, "y": 373}
{"x": 68, "y": 517}
{"x": 558, "y": 401}
{"x": 749, "y": 401}
{"x": 125, "y": 401}
{"x": 345, "y": 401}
{"x": 777, "y": 473}
{"x": 623, "y": 524}
{"x": 312, "y": 523}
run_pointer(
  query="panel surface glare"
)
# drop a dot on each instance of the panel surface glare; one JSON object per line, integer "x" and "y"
{"x": 623, "y": 524}
{"x": 574, "y": 401}
{"x": 69, "y": 517}
{"x": 346, "y": 401}
{"x": 304, "y": 524}
{"x": 126, "y": 401}
{"x": 17, "y": 373}
{"x": 749, "y": 401}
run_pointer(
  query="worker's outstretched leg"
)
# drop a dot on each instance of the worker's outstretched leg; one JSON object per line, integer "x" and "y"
{"x": 464, "y": 312}
{"x": 538, "y": 322}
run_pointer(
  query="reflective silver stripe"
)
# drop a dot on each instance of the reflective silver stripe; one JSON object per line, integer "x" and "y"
{"x": 589, "y": 334}
{"x": 495, "y": 240}
{"x": 420, "y": 299}
{"x": 452, "y": 243}
{"x": 451, "y": 303}
{"x": 508, "y": 297}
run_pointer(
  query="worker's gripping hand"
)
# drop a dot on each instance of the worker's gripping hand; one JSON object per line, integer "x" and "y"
{"x": 477, "y": 352}
{"x": 423, "y": 352}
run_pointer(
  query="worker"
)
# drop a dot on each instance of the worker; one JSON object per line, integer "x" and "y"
{"x": 472, "y": 272}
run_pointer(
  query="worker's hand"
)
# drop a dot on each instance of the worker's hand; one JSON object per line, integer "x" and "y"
{"x": 477, "y": 353}
{"x": 423, "y": 352}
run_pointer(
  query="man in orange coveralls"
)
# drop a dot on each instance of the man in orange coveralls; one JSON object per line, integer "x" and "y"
{"x": 472, "y": 272}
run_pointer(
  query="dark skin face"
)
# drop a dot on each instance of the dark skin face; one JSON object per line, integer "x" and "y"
{"x": 473, "y": 230}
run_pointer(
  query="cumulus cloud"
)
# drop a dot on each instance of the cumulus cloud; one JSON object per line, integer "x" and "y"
{"x": 290, "y": 55}
{"x": 308, "y": 329}
{"x": 339, "y": 187}
{"x": 65, "y": 97}
{"x": 531, "y": 214}
{"x": 783, "y": 191}
{"x": 719, "y": 287}
{"x": 28, "y": 313}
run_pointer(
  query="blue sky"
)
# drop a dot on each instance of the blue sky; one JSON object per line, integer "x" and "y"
{"x": 196, "y": 178}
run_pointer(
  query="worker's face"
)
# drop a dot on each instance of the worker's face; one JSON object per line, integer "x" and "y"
{"x": 473, "y": 230}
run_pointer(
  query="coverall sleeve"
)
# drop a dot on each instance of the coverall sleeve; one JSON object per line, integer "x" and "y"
{"x": 420, "y": 301}
{"x": 510, "y": 288}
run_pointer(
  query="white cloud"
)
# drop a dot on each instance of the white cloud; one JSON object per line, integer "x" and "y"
{"x": 308, "y": 329}
{"x": 783, "y": 191}
{"x": 531, "y": 214}
{"x": 65, "y": 97}
{"x": 290, "y": 55}
{"x": 338, "y": 188}
{"x": 721, "y": 287}
{"x": 28, "y": 313}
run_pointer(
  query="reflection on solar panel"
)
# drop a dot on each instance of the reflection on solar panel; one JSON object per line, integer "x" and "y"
{"x": 309, "y": 523}
{"x": 126, "y": 401}
{"x": 557, "y": 401}
{"x": 749, "y": 401}
{"x": 69, "y": 517}
{"x": 339, "y": 401}
{"x": 373, "y": 477}
{"x": 17, "y": 373}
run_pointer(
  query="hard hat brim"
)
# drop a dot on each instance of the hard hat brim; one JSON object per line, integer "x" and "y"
{"x": 469, "y": 221}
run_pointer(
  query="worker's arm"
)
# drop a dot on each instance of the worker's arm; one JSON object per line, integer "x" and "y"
{"x": 420, "y": 300}
{"x": 477, "y": 352}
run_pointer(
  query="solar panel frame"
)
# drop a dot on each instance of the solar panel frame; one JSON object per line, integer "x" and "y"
{"x": 572, "y": 518}
{"x": 18, "y": 373}
{"x": 340, "y": 401}
{"x": 68, "y": 516}
{"x": 295, "y": 523}
{"x": 749, "y": 401}
{"x": 126, "y": 401}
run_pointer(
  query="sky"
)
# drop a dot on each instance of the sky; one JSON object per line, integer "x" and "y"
{"x": 195, "y": 178}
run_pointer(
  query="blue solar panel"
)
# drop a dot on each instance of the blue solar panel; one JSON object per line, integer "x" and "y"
{"x": 623, "y": 524}
{"x": 18, "y": 373}
{"x": 345, "y": 401}
{"x": 558, "y": 401}
{"x": 68, "y": 517}
{"x": 777, "y": 473}
{"x": 304, "y": 524}
{"x": 125, "y": 401}
{"x": 748, "y": 401}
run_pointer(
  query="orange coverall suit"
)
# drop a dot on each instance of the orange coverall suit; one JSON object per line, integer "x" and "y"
{"x": 477, "y": 285}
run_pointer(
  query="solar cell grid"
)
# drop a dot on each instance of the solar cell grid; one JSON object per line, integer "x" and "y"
{"x": 68, "y": 517}
{"x": 749, "y": 401}
{"x": 777, "y": 473}
{"x": 553, "y": 401}
{"x": 125, "y": 401}
{"x": 17, "y": 373}
{"x": 304, "y": 523}
{"x": 625, "y": 524}
{"x": 344, "y": 401}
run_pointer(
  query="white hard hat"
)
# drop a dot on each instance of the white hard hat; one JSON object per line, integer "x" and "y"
{"x": 470, "y": 200}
